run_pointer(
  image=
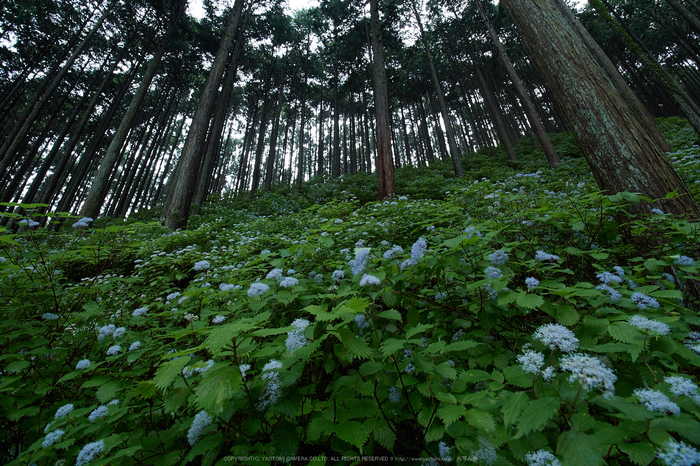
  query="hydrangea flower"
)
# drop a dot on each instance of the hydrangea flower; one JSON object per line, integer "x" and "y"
{"x": 272, "y": 390}
{"x": 682, "y": 386}
{"x": 113, "y": 350}
{"x": 541, "y": 458}
{"x": 118, "y": 333}
{"x": 361, "y": 257}
{"x": 369, "y": 280}
{"x": 693, "y": 342}
{"x": 531, "y": 361}
{"x": 590, "y": 371}
{"x": 82, "y": 364}
{"x": 226, "y": 287}
{"x": 135, "y": 345}
{"x": 244, "y": 368}
{"x": 105, "y": 331}
{"x": 486, "y": 454}
{"x": 172, "y": 296}
{"x": 643, "y": 301}
{"x": 64, "y": 410}
{"x": 656, "y": 401}
{"x": 201, "y": 265}
{"x": 90, "y": 452}
{"x": 257, "y": 289}
{"x": 394, "y": 394}
{"x": 140, "y": 311}
{"x": 556, "y": 336}
{"x": 544, "y": 257}
{"x": 498, "y": 257}
{"x": 419, "y": 248}
{"x": 200, "y": 422}
{"x": 408, "y": 263}
{"x": 493, "y": 272}
{"x": 361, "y": 322}
{"x": 609, "y": 277}
{"x": 296, "y": 338}
{"x": 444, "y": 451}
{"x": 338, "y": 275}
{"x": 49, "y": 316}
{"x": 678, "y": 454}
{"x": 275, "y": 274}
{"x": 684, "y": 260}
{"x": 642, "y": 323}
{"x": 656, "y": 211}
{"x": 52, "y": 437}
{"x": 218, "y": 319}
{"x": 532, "y": 282}
{"x": 612, "y": 293}
{"x": 289, "y": 282}
{"x": 98, "y": 413}
{"x": 394, "y": 251}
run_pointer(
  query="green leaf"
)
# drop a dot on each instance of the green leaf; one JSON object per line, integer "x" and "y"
{"x": 566, "y": 315}
{"x": 144, "y": 390}
{"x": 633, "y": 350}
{"x": 529, "y": 301}
{"x": 577, "y": 448}
{"x": 355, "y": 346}
{"x": 513, "y": 407}
{"x": 319, "y": 426}
{"x": 285, "y": 438}
{"x": 480, "y": 419}
{"x": 370, "y": 367}
{"x": 216, "y": 388}
{"x": 446, "y": 370}
{"x": 420, "y": 328}
{"x": 352, "y": 432}
{"x": 536, "y": 415}
{"x": 384, "y": 435}
{"x": 474, "y": 376}
{"x": 391, "y": 314}
{"x": 450, "y": 413}
{"x": 624, "y": 332}
{"x": 17, "y": 366}
{"x": 176, "y": 398}
{"x": 320, "y": 313}
{"x": 391, "y": 346}
{"x": 460, "y": 346}
{"x": 108, "y": 391}
{"x": 166, "y": 373}
{"x": 641, "y": 453}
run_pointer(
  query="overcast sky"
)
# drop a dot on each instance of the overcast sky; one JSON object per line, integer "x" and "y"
{"x": 195, "y": 6}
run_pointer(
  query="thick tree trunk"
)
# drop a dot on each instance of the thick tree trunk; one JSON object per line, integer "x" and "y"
{"x": 494, "y": 111}
{"x": 619, "y": 139}
{"x": 177, "y": 209}
{"x": 385, "y": 165}
{"x": 528, "y": 106}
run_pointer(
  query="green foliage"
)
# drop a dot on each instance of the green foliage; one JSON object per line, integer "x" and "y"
{"x": 429, "y": 358}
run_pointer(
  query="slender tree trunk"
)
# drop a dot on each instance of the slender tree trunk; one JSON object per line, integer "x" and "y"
{"x": 494, "y": 110}
{"x": 692, "y": 20}
{"x": 385, "y": 165}
{"x": 319, "y": 169}
{"x": 302, "y": 126}
{"x": 177, "y": 208}
{"x": 619, "y": 139}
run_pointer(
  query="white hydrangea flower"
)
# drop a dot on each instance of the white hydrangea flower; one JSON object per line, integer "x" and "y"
{"x": 200, "y": 422}
{"x": 226, "y": 287}
{"x": 369, "y": 280}
{"x": 613, "y": 293}
{"x": 64, "y": 410}
{"x": 272, "y": 390}
{"x": 486, "y": 454}
{"x": 201, "y": 265}
{"x": 338, "y": 275}
{"x": 656, "y": 401}
{"x": 531, "y": 361}
{"x": 82, "y": 364}
{"x": 275, "y": 274}
{"x": 419, "y": 248}
{"x": 590, "y": 371}
{"x": 678, "y": 454}
{"x": 135, "y": 345}
{"x": 98, "y": 413}
{"x": 444, "y": 451}
{"x": 218, "y": 319}
{"x": 90, "y": 452}
{"x": 113, "y": 350}
{"x": 684, "y": 260}
{"x": 498, "y": 257}
{"x": 556, "y": 336}
{"x": 543, "y": 256}
{"x": 609, "y": 277}
{"x": 541, "y": 458}
{"x": 360, "y": 261}
{"x": 532, "y": 282}
{"x": 289, "y": 282}
{"x": 257, "y": 289}
{"x": 296, "y": 338}
{"x": 643, "y": 301}
{"x": 682, "y": 386}
{"x": 140, "y": 311}
{"x": 52, "y": 437}
{"x": 244, "y": 368}
{"x": 642, "y": 323}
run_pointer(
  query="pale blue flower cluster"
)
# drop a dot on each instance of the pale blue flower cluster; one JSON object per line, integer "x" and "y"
{"x": 643, "y": 301}
{"x": 361, "y": 322}
{"x": 134, "y": 346}
{"x": 612, "y": 293}
{"x": 541, "y": 458}
{"x": 486, "y": 454}
{"x": 105, "y": 331}
{"x": 82, "y": 364}
{"x": 52, "y": 438}
{"x": 531, "y": 361}
{"x": 693, "y": 342}
{"x": 360, "y": 261}
{"x": 257, "y": 289}
{"x": 289, "y": 282}
{"x": 272, "y": 390}
{"x": 296, "y": 338}
{"x": 609, "y": 277}
{"x": 244, "y": 368}
{"x": 394, "y": 251}
{"x": 556, "y": 336}
{"x": 173, "y": 295}
{"x": 98, "y": 413}
{"x": 444, "y": 451}
{"x": 394, "y": 394}
{"x": 419, "y": 248}
{"x": 201, "y": 265}
{"x": 90, "y": 452}
{"x": 684, "y": 260}
{"x": 218, "y": 319}
{"x": 532, "y": 282}
{"x": 681, "y": 386}
{"x": 228, "y": 287}
{"x": 369, "y": 280}
{"x": 49, "y": 316}
{"x": 64, "y": 410}
{"x": 498, "y": 257}
{"x": 656, "y": 401}
{"x": 642, "y": 323}
{"x": 590, "y": 371}
{"x": 114, "y": 350}
{"x": 338, "y": 275}
{"x": 678, "y": 454}
{"x": 140, "y": 311}
{"x": 200, "y": 422}
{"x": 119, "y": 332}
{"x": 544, "y": 257}
{"x": 83, "y": 223}
{"x": 275, "y": 274}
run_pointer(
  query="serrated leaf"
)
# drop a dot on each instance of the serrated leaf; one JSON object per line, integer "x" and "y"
{"x": 480, "y": 419}
{"x": 529, "y": 301}
{"x": 358, "y": 305}
{"x": 633, "y": 350}
{"x": 566, "y": 315}
{"x": 641, "y": 453}
{"x": 460, "y": 346}
{"x": 108, "y": 391}
{"x": 320, "y": 313}
{"x": 384, "y": 435}
{"x": 513, "y": 407}
{"x": 446, "y": 370}
{"x": 420, "y": 328}
{"x": 285, "y": 438}
{"x": 670, "y": 294}
{"x": 576, "y": 448}
{"x": 391, "y": 314}
{"x": 166, "y": 373}
{"x": 435, "y": 347}
{"x": 144, "y": 390}
{"x": 176, "y": 398}
{"x": 355, "y": 346}
{"x": 389, "y": 298}
{"x": 624, "y": 332}
{"x": 96, "y": 381}
{"x": 474, "y": 376}
{"x": 319, "y": 426}
{"x": 536, "y": 415}
{"x": 391, "y": 346}
{"x": 352, "y": 432}
{"x": 266, "y": 332}
{"x": 450, "y": 413}
{"x": 17, "y": 366}
{"x": 217, "y": 387}
{"x": 631, "y": 411}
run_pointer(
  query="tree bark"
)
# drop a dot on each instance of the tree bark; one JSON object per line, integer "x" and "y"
{"x": 618, "y": 137}
{"x": 385, "y": 165}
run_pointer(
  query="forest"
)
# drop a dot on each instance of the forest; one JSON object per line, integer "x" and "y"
{"x": 361, "y": 232}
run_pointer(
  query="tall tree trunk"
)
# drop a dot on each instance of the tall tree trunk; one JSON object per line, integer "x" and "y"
{"x": 177, "y": 209}
{"x": 302, "y": 126}
{"x": 385, "y": 164}
{"x": 494, "y": 110}
{"x": 319, "y": 169}
{"x": 528, "y": 106}
{"x": 692, "y": 20}
{"x": 620, "y": 140}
